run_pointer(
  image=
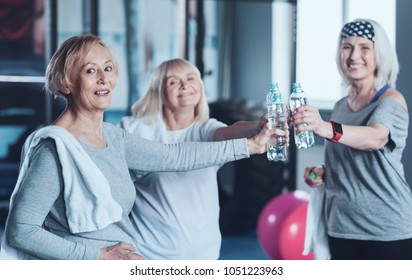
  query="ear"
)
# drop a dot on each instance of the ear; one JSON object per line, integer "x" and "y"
{"x": 65, "y": 88}
{"x": 64, "y": 92}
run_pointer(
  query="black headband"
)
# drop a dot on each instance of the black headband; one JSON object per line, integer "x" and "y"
{"x": 358, "y": 28}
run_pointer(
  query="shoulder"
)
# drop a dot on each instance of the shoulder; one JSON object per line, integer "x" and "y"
{"x": 44, "y": 139}
{"x": 127, "y": 121}
{"x": 341, "y": 103}
{"x": 135, "y": 124}
{"x": 47, "y": 144}
{"x": 112, "y": 130}
{"x": 393, "y": 94}
{"x": 212, "y": 123}
{"x": 109, "y": 126}
{"x": 208, "y": 128}
{"x": 45, "y": 152}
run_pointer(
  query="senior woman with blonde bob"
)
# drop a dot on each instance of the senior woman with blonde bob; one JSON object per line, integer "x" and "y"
{"x": 74, "y": 193}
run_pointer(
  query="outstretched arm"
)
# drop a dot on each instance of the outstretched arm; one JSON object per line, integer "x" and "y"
{"x": 366, "y": 138}
{"x": 147, "y": 156}
{"x": 240, "y": 129}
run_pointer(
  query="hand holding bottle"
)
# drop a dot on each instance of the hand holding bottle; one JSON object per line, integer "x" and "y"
{"x": 311, "y": 116}
{"x": 298, "y": 98}
{"x": 258, "y": 143}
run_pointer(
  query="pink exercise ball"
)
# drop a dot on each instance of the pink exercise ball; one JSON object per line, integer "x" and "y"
{"x": 292, "y": 235}
{"x": 272, "y": 217}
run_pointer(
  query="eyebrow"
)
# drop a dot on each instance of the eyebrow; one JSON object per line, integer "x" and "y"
{"x": 361, "y": 44}
{"x": 93, "y": 63}
{"x": 175, "y": 76}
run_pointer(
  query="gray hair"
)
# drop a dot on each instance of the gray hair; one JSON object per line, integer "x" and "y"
{"x": 387, "y": 65}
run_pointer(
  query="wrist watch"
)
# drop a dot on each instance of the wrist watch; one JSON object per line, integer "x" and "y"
{"x": 337, "y": 132}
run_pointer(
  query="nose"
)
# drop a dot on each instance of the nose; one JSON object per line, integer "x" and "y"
{"x": 355, "y": 53}
{"x": 103, "y": 77}
{"x": 183, "y": 84}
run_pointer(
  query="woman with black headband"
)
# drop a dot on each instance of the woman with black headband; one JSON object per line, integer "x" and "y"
{"x": 366, "y": 206}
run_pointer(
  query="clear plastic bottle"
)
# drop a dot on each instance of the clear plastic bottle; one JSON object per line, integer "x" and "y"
{"x": 277, "y": 117}
{"x": 298, "y": 97}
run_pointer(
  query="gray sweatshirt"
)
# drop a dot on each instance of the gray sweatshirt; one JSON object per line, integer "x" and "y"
{"x": 37, "y": 222}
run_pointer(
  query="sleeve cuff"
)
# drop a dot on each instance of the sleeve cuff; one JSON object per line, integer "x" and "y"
{"x": 240, "y": 148}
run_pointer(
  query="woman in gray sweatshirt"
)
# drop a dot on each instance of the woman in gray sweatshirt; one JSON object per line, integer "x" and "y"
{"x": 74, "y": 192}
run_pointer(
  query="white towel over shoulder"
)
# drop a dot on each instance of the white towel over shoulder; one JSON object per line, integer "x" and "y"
{"x": 87, "y": 194}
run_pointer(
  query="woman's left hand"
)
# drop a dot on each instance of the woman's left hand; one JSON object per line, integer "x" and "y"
{"x": 314, "y": 176}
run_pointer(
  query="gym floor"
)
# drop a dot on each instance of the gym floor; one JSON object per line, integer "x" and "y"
{"x": 242, "y": 247}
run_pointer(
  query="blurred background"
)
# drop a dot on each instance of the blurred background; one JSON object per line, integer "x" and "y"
{"x": 240, "y": 46}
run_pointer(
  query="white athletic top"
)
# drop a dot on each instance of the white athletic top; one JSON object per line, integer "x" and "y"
{"x": 176, "y": 214}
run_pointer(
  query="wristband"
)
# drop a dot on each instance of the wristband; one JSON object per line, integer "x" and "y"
{"x": 337, "y": 132}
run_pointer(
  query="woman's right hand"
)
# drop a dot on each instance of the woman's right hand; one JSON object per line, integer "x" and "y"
{"x": 314, "y": 176}
{"x": 310, "y": 115}
{"x": 258, "y": 143}
{"x": 120, "y": 251}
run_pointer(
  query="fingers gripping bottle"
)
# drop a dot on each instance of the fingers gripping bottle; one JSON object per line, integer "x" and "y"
{"x": 277, "y": 117}
{"x": 298, "y": 97}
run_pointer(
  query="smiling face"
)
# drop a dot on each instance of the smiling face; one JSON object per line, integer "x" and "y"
{"x": 183, "y": 89}
{"x": 93, "y": 79}
{"x": 357, "y": 58}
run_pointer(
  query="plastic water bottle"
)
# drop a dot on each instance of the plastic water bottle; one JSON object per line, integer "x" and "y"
{"x": 298, "y": 97}
{"x": 277, "y": 117}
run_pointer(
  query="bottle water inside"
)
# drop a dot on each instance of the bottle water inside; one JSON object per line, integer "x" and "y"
{"x": 303, "y": 139}
{"x": 277, "y": 117}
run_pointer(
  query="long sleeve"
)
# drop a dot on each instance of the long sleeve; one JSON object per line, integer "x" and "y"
{"x": 39, "y": 190}
{"x": 146, "y": 156}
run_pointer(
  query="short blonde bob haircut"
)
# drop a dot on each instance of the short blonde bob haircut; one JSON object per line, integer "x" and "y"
{"x": 63, "y": 62}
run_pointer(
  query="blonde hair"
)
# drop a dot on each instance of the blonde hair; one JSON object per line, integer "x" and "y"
{"x": 63, "y": 61}
{"x": 150, "y": 105}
